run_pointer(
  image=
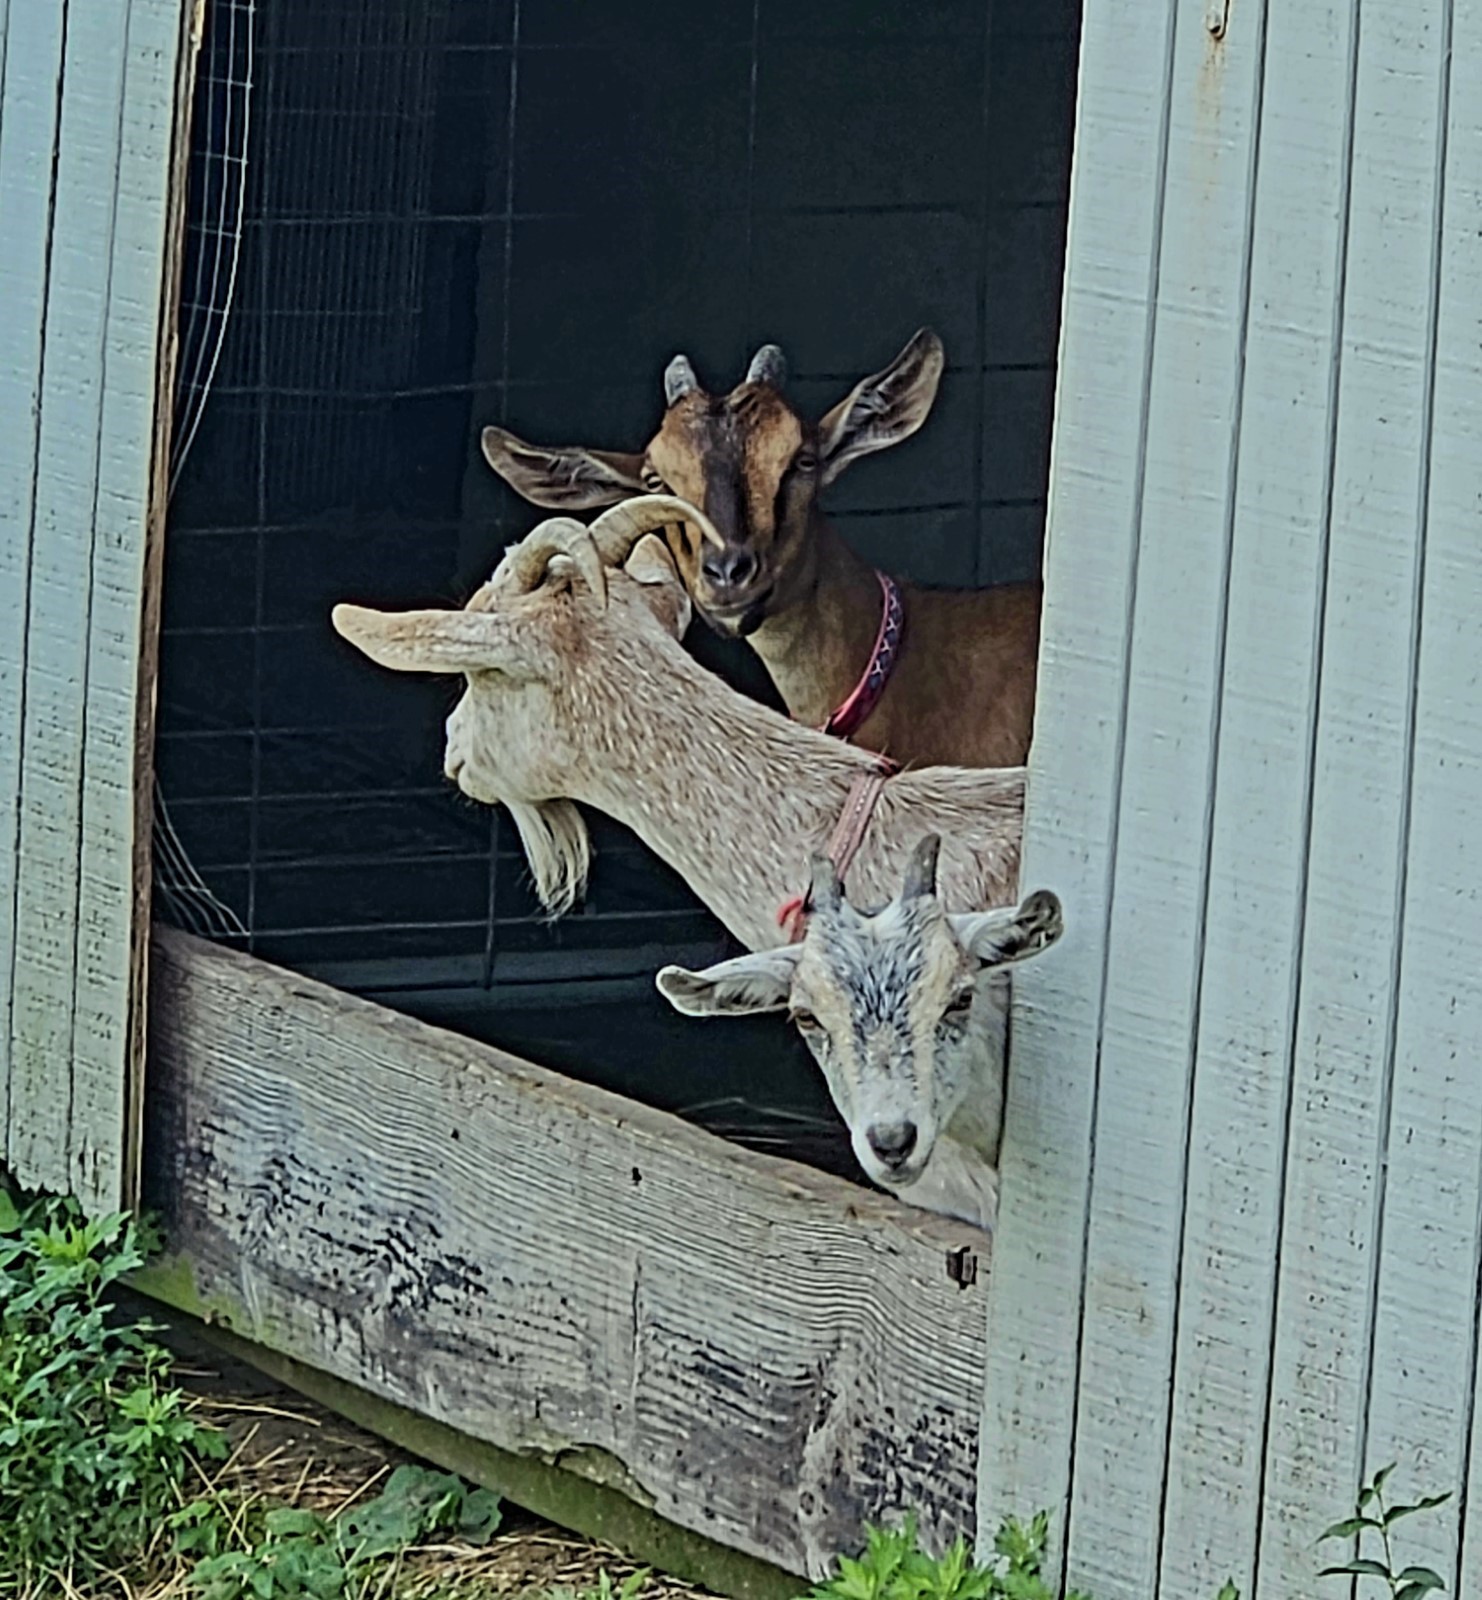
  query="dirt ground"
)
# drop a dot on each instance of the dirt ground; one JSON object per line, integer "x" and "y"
{"x": 288, "y": 1450}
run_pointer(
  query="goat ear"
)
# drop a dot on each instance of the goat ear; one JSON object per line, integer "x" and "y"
{"x": 1000, "y": 938}
{"x": 743, "y": 987}
{"x": 883, "y": 409}
{"x": 565, "y": 477}
{"x": 431, "y": 641}
{"x": 652, "y": 567}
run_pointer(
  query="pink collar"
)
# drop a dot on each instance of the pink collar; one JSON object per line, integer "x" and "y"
{"x": 844, "y": 842}
{"x": 852, "y": 713}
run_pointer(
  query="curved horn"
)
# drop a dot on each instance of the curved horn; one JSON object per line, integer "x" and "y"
{"x": 824, "y": 889}
{"x": 768, "y": 365}
{"x": 620, "y": 527}
{"x": 921, "y": 869}
{"x": 524, "y": 565}
{"x": 679, "y": 380}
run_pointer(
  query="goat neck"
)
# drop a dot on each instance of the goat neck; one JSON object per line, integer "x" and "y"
{"x": 817, "y": 645}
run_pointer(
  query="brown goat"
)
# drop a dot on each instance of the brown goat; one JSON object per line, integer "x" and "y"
{"x": 961, "y": 689}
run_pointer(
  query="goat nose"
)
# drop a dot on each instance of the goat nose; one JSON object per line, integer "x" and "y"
{"x": 893, "y": 1142}
{"x": 728, "y": 568}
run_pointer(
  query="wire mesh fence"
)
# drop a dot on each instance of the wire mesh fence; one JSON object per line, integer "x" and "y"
{"x": 411, "y": 219}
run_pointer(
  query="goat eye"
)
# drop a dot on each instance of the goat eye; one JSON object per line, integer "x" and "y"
{"x": 805, "y": 461}
{"x": 959, "y": 1007}
{"x": 653, "y": 482}
{"x": 805, "y": 1020}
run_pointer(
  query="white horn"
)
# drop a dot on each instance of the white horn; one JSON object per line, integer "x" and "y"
{"x": 620, "y": 527}
{"x": 768, "y": 365}
{"x": 524, "y": 565}
{"x": 679, "y": 380}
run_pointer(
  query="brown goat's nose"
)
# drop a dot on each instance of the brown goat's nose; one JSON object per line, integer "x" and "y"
{"x": 893, "y": 1142}
{"x": 730, "y": 568}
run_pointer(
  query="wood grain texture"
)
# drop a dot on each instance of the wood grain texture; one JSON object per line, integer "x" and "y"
{"x": 753, "y": 1350}
{"x": 1155, "y": 948}
{"x": 1444, "y": 848}
{"x": 1260, "y": 804}
{"x": 125, "y": 587}
{"x": 1422, "y": 1394}
{"x": 45, "y": 1080}
{"x": 1070, "y": 826}
{"x": 1338, "y": 1134}
{"x": 76, "y": 548}
{"x": 28, "y": 122}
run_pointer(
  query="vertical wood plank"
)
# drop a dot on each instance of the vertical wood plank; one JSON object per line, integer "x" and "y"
{"x": 1158, "y": 905}
{"x": 89, "y": 112}
{"x": 28, "y": 100}
{"x": 1448, "y": 734}
{"x": 1423, "y": 1388}
{"x": 1258, "y": 849}
{"x": 134, "y": 446}
{"x": 1091, "y": 562}
{"x": 1336, "y": 1136}
{"x": 48, "y": 901}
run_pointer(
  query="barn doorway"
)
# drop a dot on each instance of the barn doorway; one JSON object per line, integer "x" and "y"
{"x": 428, "y": 215}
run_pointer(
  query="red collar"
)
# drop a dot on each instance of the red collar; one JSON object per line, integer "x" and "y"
{"x": 850, "y": 715}
{"x": 844, "y": 842}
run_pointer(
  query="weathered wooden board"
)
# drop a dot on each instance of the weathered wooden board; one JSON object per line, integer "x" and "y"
{"x": 1075, "y": 768}
{"x": 28, "y": 123}
{"x": 754, "y": 1350}
{"x": 1337, "y": 1135}
{"x": 1156, "y": 935}
{"x": 90, "y": 115}
{"x": 1261, "y": 802}
{"x": 1422, "y": 1393}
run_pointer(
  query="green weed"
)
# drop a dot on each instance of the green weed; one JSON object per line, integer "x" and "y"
{"x": 95, "y": 1445}
{"x": 300, "y": 1555}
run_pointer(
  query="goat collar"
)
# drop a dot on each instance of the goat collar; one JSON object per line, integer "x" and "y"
{"x": 844, "y": 842}
{"x": 849, "y": 716}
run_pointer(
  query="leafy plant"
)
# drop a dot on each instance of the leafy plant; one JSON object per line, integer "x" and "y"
{"x": 894, "y": 1567}
{"x": 1373, "y": 1516}
{"x": 95, "y": 1446}
{"x": 301, "y": 1555}
{"x": 604, "y": 1588}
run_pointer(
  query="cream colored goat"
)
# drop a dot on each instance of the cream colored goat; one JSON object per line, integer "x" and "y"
{"x": 578, "y": 690}
{"x": 904, "y": 1010}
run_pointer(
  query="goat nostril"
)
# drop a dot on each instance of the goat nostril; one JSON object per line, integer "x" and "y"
{"x": 893, "y": 1142}
{"x": 730, "y": 569}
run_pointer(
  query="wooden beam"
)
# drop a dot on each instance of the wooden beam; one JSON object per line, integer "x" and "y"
{"x": 748, "y": 1348}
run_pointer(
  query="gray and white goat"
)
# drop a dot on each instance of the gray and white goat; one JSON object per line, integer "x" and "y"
{"x": 904, "y": 1010}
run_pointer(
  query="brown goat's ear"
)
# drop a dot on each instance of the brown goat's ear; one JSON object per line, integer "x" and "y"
{"x": 433, "y": 641}
{"x": 652, "y": 567}
{"x": 883, "y": 409}
{"x": 565, "y": 477}
{"x": 999, "y": 938}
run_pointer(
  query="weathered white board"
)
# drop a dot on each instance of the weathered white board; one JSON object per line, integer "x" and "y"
{"x": 754, "y": 1350}
{"x": 89, "y": 112}
{"x": 1245, "y": 1106}
{"x": 1075, "y": 768}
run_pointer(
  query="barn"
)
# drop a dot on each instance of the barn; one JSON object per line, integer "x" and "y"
{"x": 1208, "y": 279}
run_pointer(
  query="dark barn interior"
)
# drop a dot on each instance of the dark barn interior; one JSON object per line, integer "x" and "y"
{"x": 458, "y": 212}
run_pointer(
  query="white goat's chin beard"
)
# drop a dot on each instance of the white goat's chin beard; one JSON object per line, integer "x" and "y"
{"x": 558, "y": 848}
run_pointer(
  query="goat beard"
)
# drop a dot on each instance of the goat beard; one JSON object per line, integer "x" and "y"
{"x": 558, "y": 848}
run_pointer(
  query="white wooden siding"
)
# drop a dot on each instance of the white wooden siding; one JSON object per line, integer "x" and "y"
{"x": 87, "y": 120}
{"x": 1245, "y": 1106}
